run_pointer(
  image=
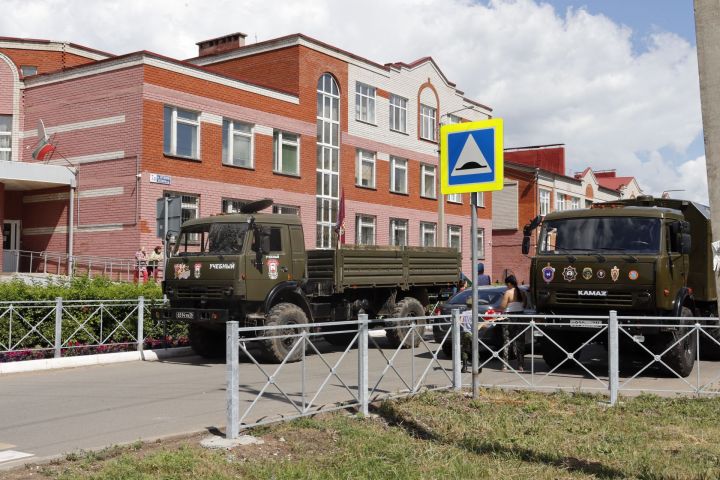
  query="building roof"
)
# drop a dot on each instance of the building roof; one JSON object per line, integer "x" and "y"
{"x": 55, "y": 45}
{"x": 615, "y": 183}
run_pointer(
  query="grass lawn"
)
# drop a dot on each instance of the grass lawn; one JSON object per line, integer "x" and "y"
{"x": 502, "y": 435}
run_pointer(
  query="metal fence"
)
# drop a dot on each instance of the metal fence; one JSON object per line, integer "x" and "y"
{"x": 41, "y": 329}
{"x": 315, "y": 377}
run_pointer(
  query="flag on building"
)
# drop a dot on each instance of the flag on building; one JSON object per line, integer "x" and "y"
{"x": 340, "y": 227}
{"x": 44, "y": 148}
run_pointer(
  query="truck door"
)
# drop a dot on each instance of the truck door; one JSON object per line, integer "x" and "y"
{"x": 274, "y": 266}
{"x": 299, "y": 258}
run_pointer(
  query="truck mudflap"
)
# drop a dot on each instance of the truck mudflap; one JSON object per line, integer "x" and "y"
{"x": 189, "y": 315}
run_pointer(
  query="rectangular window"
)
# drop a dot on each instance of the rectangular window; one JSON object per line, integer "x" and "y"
{"x": 237, "y": 146}
{"x": 481, "y": 199}
{"x": 28, "y": 70}
{"x": 428, "y": 233}
{"x": 6, "y": 137}
{"x": 286, "y": 210}
{"x": 544, "y": 202}
{"x": 427, "y": 181}
{"x": 481, "y": 242}
{"x": 398, "y": 175}
{"x": 453, "y": 119}
{"x": 364, "y": 103}
{"x": 232, "y": 205}
{"x": 181, "y": 133}
{"x": 398, "y": 113}
{"x": 455, "y": 198}
{"x": 428, "y": 122}
{"x": 575, "y": 203}
{"x": 286, "y": 148}
{"x": 454, "y": 237}
{"x": 365, "y": 229}
{"x": 398, "y": 232}
{"x": 190, "y": 209}
{"x": 561, "y": 202}
{"x": 365, "y": 169}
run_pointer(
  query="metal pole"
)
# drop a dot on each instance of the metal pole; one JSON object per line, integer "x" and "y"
{"x": 363, "y": 364}
{"x": 614, "y": 364}
{"x": 140, "y": 324}
{"x": 455, "y": 339}
{"x": 165, "y": 240}
{"x": 71, "y": 236}
{"x": 58, "y": 326}
{"x": 232, "y": 374}
{"x": 473, "y": 244}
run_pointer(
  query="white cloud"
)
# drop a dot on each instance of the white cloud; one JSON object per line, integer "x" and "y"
{"x": 556, "y": 77}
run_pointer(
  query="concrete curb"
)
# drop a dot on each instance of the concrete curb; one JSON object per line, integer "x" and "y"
{"x": 86, "y": 360}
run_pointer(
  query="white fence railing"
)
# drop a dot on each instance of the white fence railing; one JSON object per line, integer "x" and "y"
{"x": 605, "y": 354}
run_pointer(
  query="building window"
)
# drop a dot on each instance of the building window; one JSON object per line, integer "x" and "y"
{"x": 398, "y": 175}
{"x": 232, "y": 205}
{"x": 190, "y": 209}
{"x": 454, "y": 237}
{"x": 455, "y": 198}
{"x": 6, "y": 137}
{"x": 428, "y": 232}
{"x": 398, "y": 113}
{"x": 328, "y": 159}
{"x": 364, "y": 103}
{"x": 453, "y": 119}
{"x": 428, "y": 122}
{"x": 181, "y": 133}
{"x": 481, "y": 242}
{"x": 237, "y": 146}
{"x": 398, "y": 232}
{"x": 365, "y": 169}
{"x": 575, "y": 203}
{"x": 286, "y": 210}
{"x": 365, "y": 228}
{"x": 561, "y": 202}
{"x": 544, "y": 202}
{"x": 286, "y": 153}
{"x": 28, "y": 70}
{"x": 480, "y": 199}
{"x": 427, "y": 181}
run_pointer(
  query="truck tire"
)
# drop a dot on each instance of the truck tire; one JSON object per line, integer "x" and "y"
{"x": 681, "y": 357}
{"x": 406, "y": 308}
{"x": 275, "y": 350}
{"x": 552, "y": 355}
{"x": 205, "y": 342}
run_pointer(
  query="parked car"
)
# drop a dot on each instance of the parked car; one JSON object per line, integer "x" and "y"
{"x": 489, "y": 300}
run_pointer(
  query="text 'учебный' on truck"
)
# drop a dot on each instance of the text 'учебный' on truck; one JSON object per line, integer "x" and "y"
{"x": 253, "y": 268}
{"x": 641, "y": 257}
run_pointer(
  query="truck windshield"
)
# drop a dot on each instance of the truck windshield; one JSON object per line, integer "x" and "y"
{"x": 212, "y": 239}
{"x": 601, "y": 234}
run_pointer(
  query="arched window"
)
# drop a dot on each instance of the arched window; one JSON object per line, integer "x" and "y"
{"x": 328, "y": 159}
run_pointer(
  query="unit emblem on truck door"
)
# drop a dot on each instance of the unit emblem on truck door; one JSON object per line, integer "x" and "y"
{"x": 615, "y": 273}
{"x": 272, "y": 267}
{"x": 570, "y": 274}
{"x": 198, "y": 267}
{"x": 548, "y": 273}
{"x": 601, "y": 274}
{"x": 182, "y": 271}
{"x": 587, "y": 273}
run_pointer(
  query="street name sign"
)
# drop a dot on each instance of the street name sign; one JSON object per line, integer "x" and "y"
{"x": 471, "y": 156}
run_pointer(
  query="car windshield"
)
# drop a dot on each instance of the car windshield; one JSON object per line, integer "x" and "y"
{"x": 485, "y": 296}
{"x": 212, "y": 239}
{"x": 601, "y": 234}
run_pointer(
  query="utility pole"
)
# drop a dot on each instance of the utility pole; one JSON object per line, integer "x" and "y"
{"x": 707, "y": 27}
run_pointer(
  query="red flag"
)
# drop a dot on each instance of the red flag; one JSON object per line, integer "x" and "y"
{"x": 44, "y": 148}
{"x": 340, "y": 226}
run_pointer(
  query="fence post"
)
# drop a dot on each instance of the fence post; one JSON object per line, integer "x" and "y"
{"x": 456, "y": 352}
{"x": 613, "y": 360}
{"x": 363, "y": 364}
{"x": 141, "y": 323}
{"x": 58, "y": 326}
{"x": 232, "y": 373}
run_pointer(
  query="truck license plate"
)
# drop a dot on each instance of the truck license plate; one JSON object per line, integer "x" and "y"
{"x": 586, "y": 323}
{"x": 184, "y": 315}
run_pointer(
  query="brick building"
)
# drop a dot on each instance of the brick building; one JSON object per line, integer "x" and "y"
{"x": 292, "y": 119}
{"x": 536, "y": 184}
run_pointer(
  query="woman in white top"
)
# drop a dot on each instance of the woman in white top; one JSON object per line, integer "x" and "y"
{"x": 513, "y": 302}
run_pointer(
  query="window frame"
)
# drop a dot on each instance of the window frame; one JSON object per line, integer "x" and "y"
{"x": 454, "y": 230}
{"x": 399, "y": 224}
{"x": 235, "y": 203}
{"x": 368, "y": 94}
{"x": 8, "y": 134}
{"x": 393, "y": 166}
{"x": 360, "y": 224}
{"x": 428, "y": 122}
{"x": 359, "y": 160}
{"x": 423, "y": 168}
{"x": 22, "y": 70}
{"x": 229, "y": 136}
{"x": 480, "y": 233}
{"x": 175, "y": 119}
{"x": 278, "y": 142}
{"x": 541, "y": 203}
{"x": 278, "y": 209}
{"x": 455, "y": 198}
{"x": 423, "y": 230}
{"x": 398, "y": 109}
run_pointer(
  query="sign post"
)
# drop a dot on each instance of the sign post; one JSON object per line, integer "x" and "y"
{"x": 471, "y": 161}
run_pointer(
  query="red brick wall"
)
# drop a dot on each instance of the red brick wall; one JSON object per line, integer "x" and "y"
{"x": 551, "y": 159}
{"x": 45, "y": 61}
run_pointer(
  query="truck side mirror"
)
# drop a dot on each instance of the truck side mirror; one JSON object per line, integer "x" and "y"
{"x": 526, "y": 244}
{"x": 685, "y": 243}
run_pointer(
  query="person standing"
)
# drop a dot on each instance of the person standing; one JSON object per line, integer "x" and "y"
{"x": 482, "y": 278}
{"x": 140, "y": 266}
{"x": 154, "y": 261}
{"x": 513, "y": 302}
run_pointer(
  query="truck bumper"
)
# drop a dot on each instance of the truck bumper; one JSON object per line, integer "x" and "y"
{"x": 190, "y": 315}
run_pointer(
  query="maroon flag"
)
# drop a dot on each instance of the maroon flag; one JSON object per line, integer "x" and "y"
{"x": 44, "y": 148}
{"x": 340, "y": 226}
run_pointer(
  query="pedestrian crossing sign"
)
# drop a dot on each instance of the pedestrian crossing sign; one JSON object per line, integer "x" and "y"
{"x": 471, "y": 156}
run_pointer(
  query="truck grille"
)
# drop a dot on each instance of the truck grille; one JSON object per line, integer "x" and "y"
{"x": 211, "y": 291}
{"x": 571, "y": 297}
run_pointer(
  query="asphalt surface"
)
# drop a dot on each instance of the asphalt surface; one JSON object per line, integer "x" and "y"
{"x": 51, "y": 413}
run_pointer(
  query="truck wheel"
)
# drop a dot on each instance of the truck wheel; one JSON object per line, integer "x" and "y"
{"x": 552, "y": 355}
{"x": 406, "y": 308}
{"x": 681, "y": 357}
{"x": 205, "y": 342}
{"x": 276, "y": 349}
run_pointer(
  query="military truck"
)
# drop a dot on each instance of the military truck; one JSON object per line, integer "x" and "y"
{"x": 641, "y": 257}
{"x": 253, "y": 267}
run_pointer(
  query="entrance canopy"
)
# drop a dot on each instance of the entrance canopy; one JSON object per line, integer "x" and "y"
{"x": 34, "y": 176}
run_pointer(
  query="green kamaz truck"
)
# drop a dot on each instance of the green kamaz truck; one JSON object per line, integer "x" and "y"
{"x": 641, "y": 257}
{"x": 253, "y": 268}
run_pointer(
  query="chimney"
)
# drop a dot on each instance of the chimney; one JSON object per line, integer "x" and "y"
{"x": 221, "y": 44}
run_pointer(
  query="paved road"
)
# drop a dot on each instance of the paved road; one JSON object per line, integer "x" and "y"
{"x": 50, "y": 413}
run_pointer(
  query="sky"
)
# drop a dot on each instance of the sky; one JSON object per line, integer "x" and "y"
{"x": 614, "y": 80}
